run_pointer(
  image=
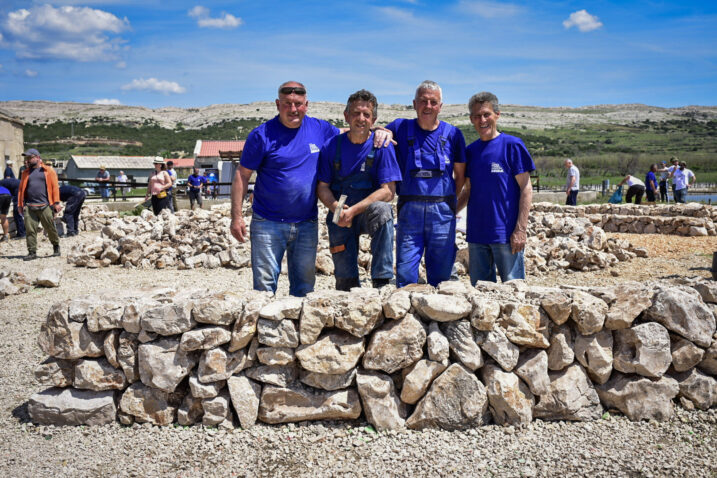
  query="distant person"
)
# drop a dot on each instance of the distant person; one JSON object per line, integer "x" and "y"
{"x": 682, "y": 180}
{"x": 157, "y": 185}
{"x": 498, "y": 193}
{"x": 663, "y": 181}
{"x": 74, "y": 198}
{"x": 173, "y": 190}
{"x": 651, "y": 188}
{"x": 635, "y": 189}
{"x": 5, "y": 201}
{"x": 103, "y": 177}
{"x": 39, "y": 195}
{"x": 196, "y": 183}
{"x": 9, "y": 173}
{"x": 572, "y": 183}
{"x": 13, "y": 185}
{"x": 350, "y": 165}
{"x": 212, "y": 180}
{"x": 122, "y": 178}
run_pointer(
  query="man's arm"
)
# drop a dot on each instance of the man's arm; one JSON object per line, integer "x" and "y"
{"x": 384, "y": 193}
{"x": 570, "y": 186}
{"x": 459, "y": 175}
{"x": 464, "y": 195}
{"x": 693, "y": 179}
{"x": 240, "y": 186}
{"x": 520, "y": 233}
{"x": 326, "y": 196}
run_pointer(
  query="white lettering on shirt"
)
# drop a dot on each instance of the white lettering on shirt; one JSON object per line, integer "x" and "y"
{"x": 313, "y": 148}
{"x": 495, "y": 168}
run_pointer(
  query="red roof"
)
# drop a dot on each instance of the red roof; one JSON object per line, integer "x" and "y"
{"x": 212, "y": 148}
{"x": 182, "y": 162}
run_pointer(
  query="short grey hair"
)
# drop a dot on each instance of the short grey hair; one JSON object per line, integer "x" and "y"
{"x": 278, "y": 90}
{"x": 429, "y": 85}
{"x": 484, "y": 97}
{"x": 363, "y": 95}
{"x": 569, "y": 161}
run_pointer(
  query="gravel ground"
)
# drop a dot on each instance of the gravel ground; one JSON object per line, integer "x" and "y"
{"x": 685, "y": 446}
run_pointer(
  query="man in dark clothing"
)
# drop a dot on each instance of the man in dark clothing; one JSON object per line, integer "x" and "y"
{"x": 9, "y": 173}
{"x": 73, "y": 197}
{"x": 12, "y": 185}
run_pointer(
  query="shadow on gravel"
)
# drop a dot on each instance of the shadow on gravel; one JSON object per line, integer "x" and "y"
{"x": 709, "y": 269}
{"x": 20, "y": 412}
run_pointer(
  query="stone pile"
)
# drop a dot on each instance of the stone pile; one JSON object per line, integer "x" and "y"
{"x": 450, "y": 357}
{"x": 691, "y": 219}
{"x": 12, "y": 283}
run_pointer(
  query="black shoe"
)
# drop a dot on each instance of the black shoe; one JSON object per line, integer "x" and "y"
{"x": 346, "y": 284}
{"x": 31, "y": 256}
{"x": 55, "y": 250}
{"x": 378, "y": 283}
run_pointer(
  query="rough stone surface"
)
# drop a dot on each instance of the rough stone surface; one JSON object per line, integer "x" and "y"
{"x": 245, "y": 395}
{"x": 220, "y": 364}
{"x": 643, "y": 349}
{"x": 68, "y": 406}
{"x": 148, "y": 405}
{"x": 397, "y": 304}
{"x": 588, "y": 312}
{"x": 299, "y": 403}
{"x": 571, "y": 397}
{"x": 127, "y": 356}
{"x": 280, "y": 309}
{"x": 485, "y": 312}
{"x": 191, "y": 411}
{"x": 49, "y": 277}
{"x": 55, "y": 372}
{"x": 326, "y": 381}
{"x": 440, "y": 307}
{"x": 630, "y": 301}
{"x": 525, "y": 325}
{"x": 502, "y": 350}
{"x": 98, "y": 375}
{"x": 697, "y": 387}
{"x": 640, "y": 398}
{"x": 279, "y": 375}
{"x": 463, "y": 345}
{"x": 558, "y": 307}
{"x": 204, "y": 390}
{"x": 162, "y": 364}
{"x": 560, "y": 352}
{"x": 335, "y": 353}
{"x": 282, "y": 333}
{"x": 275, "y": 355}
{"x": 223, "y": 308}
{"x": 169, "y": 319}
{"x": 418, "y": 379}
{"x": 244, "y": 327}
{"x": 437, "y": 344}
{"x": 216, "y": 409}
{"x": 395, "y": 345}
{"x": 685, "y": 354}
{"x": 681, "y": 310}
{"x": 511, "y": 402}
{"x": 361, "y": 314}
{"x": 204, "y": 338}
{"x": 594, "y": 352}
{"x": 533, "y": 369}
{"x": 65, "y": 339}
{"x": 318, "y": 312}
{"x": 381, "y": 404}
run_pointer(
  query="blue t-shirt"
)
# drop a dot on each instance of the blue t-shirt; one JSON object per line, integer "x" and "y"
{"x": 434, "y": 154}
{"x": 196, "y": 181}
{"x": 4, "y": 191}
{"x": 384, "y": 169}
{"x": 285, "y": 161}
{"x": 649, "y": 180}
{"x": 495, "y": 194}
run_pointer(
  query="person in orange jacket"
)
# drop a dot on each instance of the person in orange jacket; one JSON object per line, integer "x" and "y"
{"x": 39, "y": 199}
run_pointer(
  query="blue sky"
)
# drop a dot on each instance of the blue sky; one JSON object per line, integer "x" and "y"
{"x": 176, "y": 53}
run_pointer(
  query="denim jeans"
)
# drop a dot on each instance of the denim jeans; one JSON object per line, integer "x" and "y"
{"x": 347, "y": 239}
{"x": 572, "y": 198}
{"x": 430, "y": 227}
{"x": 269, "y": 241}
{"x": 484, "y": 258}
{"x": 681, "y": 195}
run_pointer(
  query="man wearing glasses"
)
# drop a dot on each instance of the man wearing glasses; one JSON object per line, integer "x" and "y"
{"x": 284, "y": 152}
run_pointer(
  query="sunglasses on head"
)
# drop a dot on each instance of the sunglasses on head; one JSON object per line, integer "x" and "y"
{"x": 287, "y": 90}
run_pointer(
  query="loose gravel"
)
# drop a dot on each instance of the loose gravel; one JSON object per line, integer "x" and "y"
{"x": 614, "y": 446}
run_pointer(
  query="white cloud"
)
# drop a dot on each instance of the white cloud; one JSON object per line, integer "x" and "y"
{"x": 30, "y": 73}
{"x": 121, "y": 65}
{"x": 107, "y": 101}
{"x": 489, "y": 9}
{"x": 73, "y": 33}
{"x": 153, "y": 84}
{"x": 583, "y": 21}
{"x": 226, "y": 20}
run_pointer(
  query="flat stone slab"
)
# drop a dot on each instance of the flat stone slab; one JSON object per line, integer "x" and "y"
{"x": 69, "y": 406}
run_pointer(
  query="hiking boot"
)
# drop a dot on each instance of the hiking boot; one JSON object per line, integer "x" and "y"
{"x": 30, "y": 256}
{"x": 346, "y": 284}
{"x": 55, "y": 250}
{"x": 378, "y": 283}
{"x": 4, "y": 238}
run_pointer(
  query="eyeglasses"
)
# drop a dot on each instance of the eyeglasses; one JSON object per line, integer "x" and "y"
{"x": 287, "y": 90}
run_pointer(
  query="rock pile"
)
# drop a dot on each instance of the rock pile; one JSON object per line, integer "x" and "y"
{"x": 450, "y": 357}
{"x": 12, "y": 283}
{"x": 691, "y": 219}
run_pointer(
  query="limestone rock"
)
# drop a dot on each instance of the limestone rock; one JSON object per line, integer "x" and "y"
{"x": 437, "y": 344}
{"x": 191, "y": 411}
{"x": 318, "y": 312}
{"x": 571, "y": 397}
{"x": 558, "y": 306}
{"x": 299, "y": 403}
{"x": 335, "y": 353}
{"x": 148, "y": 405}
{"x": 643, "y": 349}
{"x": 127, "y": 356}
{"x": 685, "y": 354}
{"x": 104, "y": 314}
{"x": 709, "y": 363}
{"x": 245, "y": 395}
{"x": 588, "y": 312}
{"x": 697, "y": 387}
{"x": 275, "y": 355}
{"x": 380, "y": 402}
{"x": 511, "y": 402}
{"x": 110, "y": 346}
{"x": 65, "y": 339}
{"x": 98, "y": 375}
{"x": 681, "y": 310}
{"x": 169, "y": 319}
{"x": 560, "y": 352}
{"x": 244, "y": 327}
{"x": 49, "y": 277}
{"x": 362, "y": 312}
{"x": 708, "y": 291}
{"x": 282, "y": 333}
{"x": 630, "y": 301}
{"x": 533, "y": 369}
{"x": 69, "y": 406}
{"x": 440, "y": 307}
{"x": 134, "y": 309}
{"x": 525, "y": 325}
{"x": 279, "y": 375}
{"x": 594, "y": 352}
{"x": 55, "y": 372}
{"x": 204, "y": 390}
{"x": 218, "y": 309}
{"x": 326, "y": 381}
{"x": 204, "y": 338}
{"x": 463, "y": 345}
{"x": 397, "y": 305}
{"x": 216, "y": 409}
{"x": 502, "y": 350}
{"x": 395, "y": 345}
{"x": 220, "y": 364}
{"x": 456, "y": 400}
{"x": 418, "y": 379}
{"x": 280, "y": 309}
{"x": 640, "y": 398}
{"x": 162, "y": 364}
{"x": 485, "y": 312}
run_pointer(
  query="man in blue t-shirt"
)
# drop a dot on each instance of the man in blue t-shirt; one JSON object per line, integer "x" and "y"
{"x": 196, "y": 183}
{"x": 284, "y": 152}
{"x": 498, "y": 193}
{"x": 350, "y": 165}
{"x": 431, "y": 155}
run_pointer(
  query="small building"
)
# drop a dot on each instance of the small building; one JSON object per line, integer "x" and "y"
{"x": 221, "y": 156}
{"x": 86, "y": 167}
{"x": 11, "y": 141}
{"x": 183, "y": 166}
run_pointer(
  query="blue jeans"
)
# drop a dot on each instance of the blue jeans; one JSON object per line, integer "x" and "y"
{"x": 572, "y": 198}
{"x": 484, "y": 258}
{"x": 345, "y": 241}
{"x": 681, "y": 195}
{"x": 430, "y": 227}
{"x": 269, "y": 241}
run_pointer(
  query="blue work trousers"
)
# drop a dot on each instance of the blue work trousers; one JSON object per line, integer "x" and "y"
{"x": 269, "y": 241}
{"x": 430, "y": 227}
{"x": 71, "y": 216}
{"x": 345, "y": 242}
{"x": 483, "y": 259}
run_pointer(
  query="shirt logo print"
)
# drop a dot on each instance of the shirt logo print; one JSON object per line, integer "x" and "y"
{"x": 495, "y": 168}
{"x": 313, "y": 148}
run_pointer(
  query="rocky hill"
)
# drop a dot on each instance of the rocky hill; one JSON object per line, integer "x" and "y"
{"x": 532, "y": 117}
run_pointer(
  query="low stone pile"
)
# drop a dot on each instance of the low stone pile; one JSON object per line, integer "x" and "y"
{"x": 691, "y": 219}
{"x": 12, "y": 283}
{"x": 450, "y": 357}
{"x": 95, "y": 216}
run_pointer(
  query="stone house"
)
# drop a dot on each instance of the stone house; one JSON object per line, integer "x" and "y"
{"x": 11, "y": 141}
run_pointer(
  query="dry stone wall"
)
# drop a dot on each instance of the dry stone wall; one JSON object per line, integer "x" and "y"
{"x": 451, "y": 357}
